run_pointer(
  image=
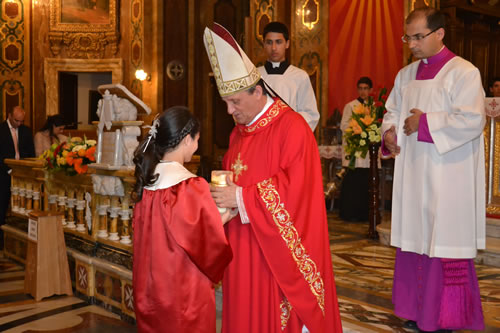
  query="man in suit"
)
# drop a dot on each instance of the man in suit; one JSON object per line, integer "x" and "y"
{"x": 17, "y": 142}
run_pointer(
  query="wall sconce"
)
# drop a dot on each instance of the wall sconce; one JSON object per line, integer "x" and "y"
{"x": 310, "y": 13}
{"x": 140, "y": 74}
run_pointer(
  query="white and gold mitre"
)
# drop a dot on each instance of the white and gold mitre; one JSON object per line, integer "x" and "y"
{"x": 232, "y": 69}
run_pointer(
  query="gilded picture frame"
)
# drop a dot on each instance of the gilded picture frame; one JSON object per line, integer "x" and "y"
{"x": 84, "y": 28}
{"x": 83, "y": 15}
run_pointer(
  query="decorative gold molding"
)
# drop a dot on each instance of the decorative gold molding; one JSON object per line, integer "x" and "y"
{"x": 83, "y": 40}
{"x": 306, "y": 13}
{"x": 52, "y": 67}
{"x": 492, "y": 164}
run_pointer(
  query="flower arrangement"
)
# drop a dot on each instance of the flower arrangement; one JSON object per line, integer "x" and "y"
{"x": 72, "y": 156}
{"x": 364, "y": 126}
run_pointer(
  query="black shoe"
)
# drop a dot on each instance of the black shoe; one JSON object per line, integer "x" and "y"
{"x": 410, "y": 324}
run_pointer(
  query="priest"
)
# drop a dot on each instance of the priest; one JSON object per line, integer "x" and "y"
{"x": 281, "y": 277}
{"x": 433, "y": 126}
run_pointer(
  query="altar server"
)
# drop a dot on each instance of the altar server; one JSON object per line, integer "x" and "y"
{"x": 180, "y": 249}
{"x": 434, "y": 128}
{"x": 291, "y": 83}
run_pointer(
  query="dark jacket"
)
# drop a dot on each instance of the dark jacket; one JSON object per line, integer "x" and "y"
{"x": 7, "y": 149}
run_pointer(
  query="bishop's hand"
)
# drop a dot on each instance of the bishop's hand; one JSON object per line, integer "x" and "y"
{"x": 225, "y": 196}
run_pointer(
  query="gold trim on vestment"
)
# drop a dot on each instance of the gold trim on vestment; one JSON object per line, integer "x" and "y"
{"x": 273, "y": 112}
{"x": 286, "y": 308}
{"x": 288, "y": 232}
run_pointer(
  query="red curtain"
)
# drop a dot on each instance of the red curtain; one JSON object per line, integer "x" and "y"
{"x": 364, "y": 40}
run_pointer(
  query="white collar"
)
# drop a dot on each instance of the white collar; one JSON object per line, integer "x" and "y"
{"x": 275, "y": 64}
{"x": 170, "y": 174}
{"x": 269, "y": 102}
{"x": 10, "y": 126}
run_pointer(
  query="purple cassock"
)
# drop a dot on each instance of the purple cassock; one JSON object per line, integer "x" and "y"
{"x": 436, "y": 293}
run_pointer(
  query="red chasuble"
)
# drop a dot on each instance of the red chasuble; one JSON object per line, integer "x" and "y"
{"x": 180, "y": 251}
{"x": 281, "y": 275}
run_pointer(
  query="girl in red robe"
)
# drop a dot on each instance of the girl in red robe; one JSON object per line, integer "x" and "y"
{"x": 180, "y": 249}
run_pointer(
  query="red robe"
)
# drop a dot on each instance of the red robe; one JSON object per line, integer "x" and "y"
{"x": 180, "y": 251}
{"x": 281, "y": 275}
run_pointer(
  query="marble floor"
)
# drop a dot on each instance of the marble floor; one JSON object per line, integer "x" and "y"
{"x": 363, "y": 273}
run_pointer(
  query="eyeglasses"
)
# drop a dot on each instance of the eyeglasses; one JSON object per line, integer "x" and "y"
{"x": 417, "y": 37}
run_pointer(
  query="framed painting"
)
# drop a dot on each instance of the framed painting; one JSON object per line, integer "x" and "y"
{"x": 84, "y": 28}
{"x": 83, "y": 15}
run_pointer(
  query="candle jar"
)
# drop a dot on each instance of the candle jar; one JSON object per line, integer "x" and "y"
{"x": 218, "y": 179}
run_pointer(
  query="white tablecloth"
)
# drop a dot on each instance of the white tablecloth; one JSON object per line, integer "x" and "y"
{"x": 330, "y": 152}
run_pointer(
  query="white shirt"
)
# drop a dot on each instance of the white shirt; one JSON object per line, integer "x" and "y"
{"x": 294, "y": 87}
{"x": 17, "y": 135}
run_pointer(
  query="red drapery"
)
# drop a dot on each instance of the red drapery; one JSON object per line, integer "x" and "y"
{"x": 364, "y": 40}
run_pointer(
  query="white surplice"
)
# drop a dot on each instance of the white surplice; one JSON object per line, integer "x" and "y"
{"x": 294, "y": 87}
{"x": 439, "y": 188}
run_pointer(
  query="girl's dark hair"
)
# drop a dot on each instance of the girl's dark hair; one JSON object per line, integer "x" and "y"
{"x": 173, "y": 125}
{"x": 56, "y": 120}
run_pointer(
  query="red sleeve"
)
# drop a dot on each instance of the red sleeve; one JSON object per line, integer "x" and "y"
{"x": 197, "y": 227}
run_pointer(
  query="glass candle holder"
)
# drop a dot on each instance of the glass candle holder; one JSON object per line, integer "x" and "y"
{"x": 219, "y": 179}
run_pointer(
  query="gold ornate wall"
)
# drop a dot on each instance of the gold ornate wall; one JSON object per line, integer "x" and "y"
{"x": 15, "y": 88}
{"x": 121, "y": 35}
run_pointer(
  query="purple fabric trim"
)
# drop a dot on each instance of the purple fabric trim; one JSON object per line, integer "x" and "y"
{"x": 383, "y": 149}
{"x": 455, "y": 297}
{"x": 419, "y": 291}
{"x": 434, "y": 64}
{"x": 423, "y": 130}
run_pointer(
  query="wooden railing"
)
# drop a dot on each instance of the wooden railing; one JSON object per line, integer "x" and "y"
{"x": 90, "y": 208}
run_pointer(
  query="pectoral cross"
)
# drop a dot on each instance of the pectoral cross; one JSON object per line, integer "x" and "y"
{"x": 238, "y": 167}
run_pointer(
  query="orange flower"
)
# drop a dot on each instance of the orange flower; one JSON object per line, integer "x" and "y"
{"x": 81, "y": 168}
{"x": 78, "y": 165}
{"x": 81, "y": 152}
{"x": 355, "y": 127}
{"x": 359, "y": 109}
{"x": 367, "y": 120}
{"x": 90, "y": 154}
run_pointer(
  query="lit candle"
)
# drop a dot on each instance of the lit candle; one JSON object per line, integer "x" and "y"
{"x": 219, "y": 179}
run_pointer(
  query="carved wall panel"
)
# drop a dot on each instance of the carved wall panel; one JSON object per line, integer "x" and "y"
{"x": 14, "y": 67}
{"x": 309, "y": 47}
{"x": 85, "y": 29}
{"x": 136, "y": 44}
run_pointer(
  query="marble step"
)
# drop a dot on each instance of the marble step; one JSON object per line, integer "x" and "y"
{"x": 490, "y": 256}
{"x": 493, "y": 227}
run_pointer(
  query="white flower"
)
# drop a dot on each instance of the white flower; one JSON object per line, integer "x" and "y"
{"x": 373, "y": 126}
{"x": 77, "y": 148}
{"x": 91, "y": 142}
{"x": 362, "y": 142}
{"x": 363, "y": 135}
{"x": 357, "y": 154}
